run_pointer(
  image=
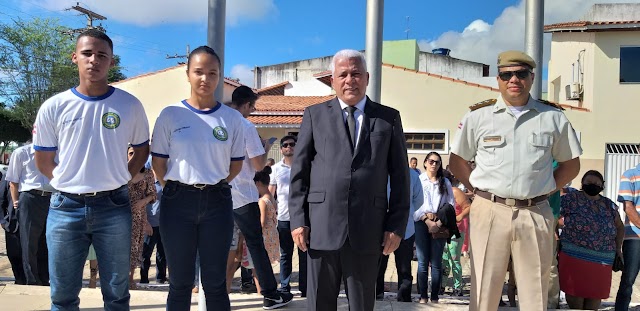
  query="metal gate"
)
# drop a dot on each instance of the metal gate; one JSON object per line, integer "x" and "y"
{"x": 617, "y": 159}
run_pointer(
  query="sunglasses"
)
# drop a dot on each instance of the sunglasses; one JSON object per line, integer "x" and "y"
{"x": 287, "y": 145}
{"x": 507, "y": 75}
{"x": 433, "y": 162}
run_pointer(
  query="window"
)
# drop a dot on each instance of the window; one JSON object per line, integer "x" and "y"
{"x": 423, "y": 142}
{"x": 629, "y": 64}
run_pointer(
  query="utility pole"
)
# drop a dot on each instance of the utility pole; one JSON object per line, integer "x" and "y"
{"x": 91, "y": 16}
{"x": 180, "y": 56}
{"x": 216, "y": 38}
{"x": 534, "y": 24}
{"x": 373, "y": 50}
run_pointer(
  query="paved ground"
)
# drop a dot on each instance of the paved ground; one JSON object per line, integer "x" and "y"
{"x": 153, "y": 296}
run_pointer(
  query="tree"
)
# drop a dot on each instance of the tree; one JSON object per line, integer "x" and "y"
{"x": 11, "y": 130}
{"x": 35, "y": 64}
{"x": 115, "y": 73}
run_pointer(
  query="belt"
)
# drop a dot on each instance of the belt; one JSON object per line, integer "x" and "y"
{"x": 510, "y": 202}
{"x": 92, "y": 194}
{"x": 41, "y": 193}
{"x": 221, "y": 185}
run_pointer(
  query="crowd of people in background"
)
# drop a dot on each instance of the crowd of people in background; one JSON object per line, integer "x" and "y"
{"x": 205, "y": 184}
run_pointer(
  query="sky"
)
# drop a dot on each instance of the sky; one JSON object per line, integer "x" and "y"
{"x": 267, "y": 32}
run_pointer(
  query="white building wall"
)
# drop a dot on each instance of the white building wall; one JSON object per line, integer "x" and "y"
{"x": 294, "y": 71}
{"x": 449, "y": 66}
{"x": 307, "y": 88}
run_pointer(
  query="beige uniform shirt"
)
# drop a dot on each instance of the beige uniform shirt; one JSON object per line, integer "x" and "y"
{"x": 514, "y": 155}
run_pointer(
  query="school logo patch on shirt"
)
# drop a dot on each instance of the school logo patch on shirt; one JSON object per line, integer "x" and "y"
{"x": 220, "y": 133}
{"x": 110, "y": 120}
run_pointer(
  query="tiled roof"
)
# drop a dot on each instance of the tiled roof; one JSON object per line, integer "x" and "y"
{"x": 226, "y": 80}
{"x": 324, "y": 77}
{"x": 593, "y": 26}
{"x": 443, "y": 77}
{"x": 279, "y": 104}
{"x": 276, "y": 89}
{"x": 271, "y": 121}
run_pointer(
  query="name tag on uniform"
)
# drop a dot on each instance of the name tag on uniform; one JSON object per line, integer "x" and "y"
{"x": 487, "y": 139}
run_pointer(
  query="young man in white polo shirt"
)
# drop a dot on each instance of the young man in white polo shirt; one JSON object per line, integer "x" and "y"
{"x": 246, "y": 212}
{"x": 279, "y": 184}
{"x": 89, "y": 128}
{"x": 31, "y": 193}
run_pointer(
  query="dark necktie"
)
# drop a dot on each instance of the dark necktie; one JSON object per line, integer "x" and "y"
{"x": 351, "y": 123}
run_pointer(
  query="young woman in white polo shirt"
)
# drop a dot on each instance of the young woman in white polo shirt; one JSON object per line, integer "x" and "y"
{"x": 197, "y": 148}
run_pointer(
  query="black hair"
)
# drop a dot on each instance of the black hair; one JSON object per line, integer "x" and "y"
{"x": 288, "y": 137}
{"x": 592, "y": 173}
{"x": 442, "y": 185}
{"x": 242, "y": 95}
{"x": 263, "y": 176}
{"x": 203, "y": 49}
{"x": 94, "y": 33}
{"x": 413, "y": 158}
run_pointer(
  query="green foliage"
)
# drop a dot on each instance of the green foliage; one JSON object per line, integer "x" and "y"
{"x": 11, "y": 129}
{"x": 115, "y": 73}
{"x": 35, "y": 64}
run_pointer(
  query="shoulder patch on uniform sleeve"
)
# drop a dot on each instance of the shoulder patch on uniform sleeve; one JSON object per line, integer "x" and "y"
{"x": 552, "y": 104}
{"x": 484, "y": 103}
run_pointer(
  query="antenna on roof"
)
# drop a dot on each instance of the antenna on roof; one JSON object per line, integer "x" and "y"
{"x": 408, "y": 29}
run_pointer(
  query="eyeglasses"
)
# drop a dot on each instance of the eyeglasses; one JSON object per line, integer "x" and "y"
{"x": 507, "y": 75}
{"x": 433, "y": 162}
{"x": 287, "y": 145}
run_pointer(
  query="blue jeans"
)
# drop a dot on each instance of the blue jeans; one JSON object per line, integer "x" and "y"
{"x": 429, "y": 251}
{"x": 286, "y": 260}
{"x": 196, "y": 221}
{"x": 631, "y": 257}
{"x": 75, "y": 222}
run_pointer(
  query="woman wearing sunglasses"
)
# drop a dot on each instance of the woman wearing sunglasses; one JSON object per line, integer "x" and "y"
{"x": 437, "y": 191}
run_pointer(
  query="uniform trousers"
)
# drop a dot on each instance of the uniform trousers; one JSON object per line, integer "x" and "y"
{"x": 34, "y": 209}
{"x": 498, "y": 231}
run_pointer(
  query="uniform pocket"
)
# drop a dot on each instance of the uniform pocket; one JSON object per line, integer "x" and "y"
{"x": 540, "y": 149}
{"x": 493, "y": 146}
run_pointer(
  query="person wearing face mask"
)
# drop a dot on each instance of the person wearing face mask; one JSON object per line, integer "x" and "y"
{"x": 592, "y": 235}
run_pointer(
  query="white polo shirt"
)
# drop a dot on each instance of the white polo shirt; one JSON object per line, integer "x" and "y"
{"x": 243, "y": 188}
{"x": 281, "y": 178}
{"x": 199, "y": 144}
{"x": 91, "y": 136}
{"x": 23, "y": 171}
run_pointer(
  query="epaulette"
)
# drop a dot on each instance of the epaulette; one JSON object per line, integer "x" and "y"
{"x": 552, "y": 104}
{"x": 484, "y": 103}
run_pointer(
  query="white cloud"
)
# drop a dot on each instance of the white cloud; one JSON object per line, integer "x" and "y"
{"x": 153, "y": 12}
{"x": 481, "y": 41}
{"x": 244, "y": 73}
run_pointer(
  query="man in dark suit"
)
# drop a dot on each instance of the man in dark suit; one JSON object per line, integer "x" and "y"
{"x": 347, "y": 149}
{"x": 9, "y": 223}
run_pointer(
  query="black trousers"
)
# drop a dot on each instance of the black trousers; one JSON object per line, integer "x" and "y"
{"x": 328, "y": 269}
{"x": 14, "y": 252}
{"x": 403, "y": 256}
{"x": 161, "y": 261}
{"x": 34, "y": 209}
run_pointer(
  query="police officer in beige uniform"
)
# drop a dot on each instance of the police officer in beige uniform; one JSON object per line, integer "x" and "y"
{"x": 513, "y": 139}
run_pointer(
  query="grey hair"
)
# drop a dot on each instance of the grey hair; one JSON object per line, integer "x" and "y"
{"x": 348, "y": 54}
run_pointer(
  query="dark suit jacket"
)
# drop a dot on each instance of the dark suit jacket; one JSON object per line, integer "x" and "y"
{"x": 339, "y": 193}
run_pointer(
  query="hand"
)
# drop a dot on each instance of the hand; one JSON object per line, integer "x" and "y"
{"x": 140, "y": 205}
{"x": 390, "y": 242}
{"x": 15, "y": 204}
{"x": 300, "y": 236}
{"x": 148, "y": 230}
{"x": 459, "y": 218}
{"x": 267, "y": 145}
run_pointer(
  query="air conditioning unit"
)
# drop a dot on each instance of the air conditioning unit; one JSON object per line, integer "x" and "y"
{"x": 573, "y": 91}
